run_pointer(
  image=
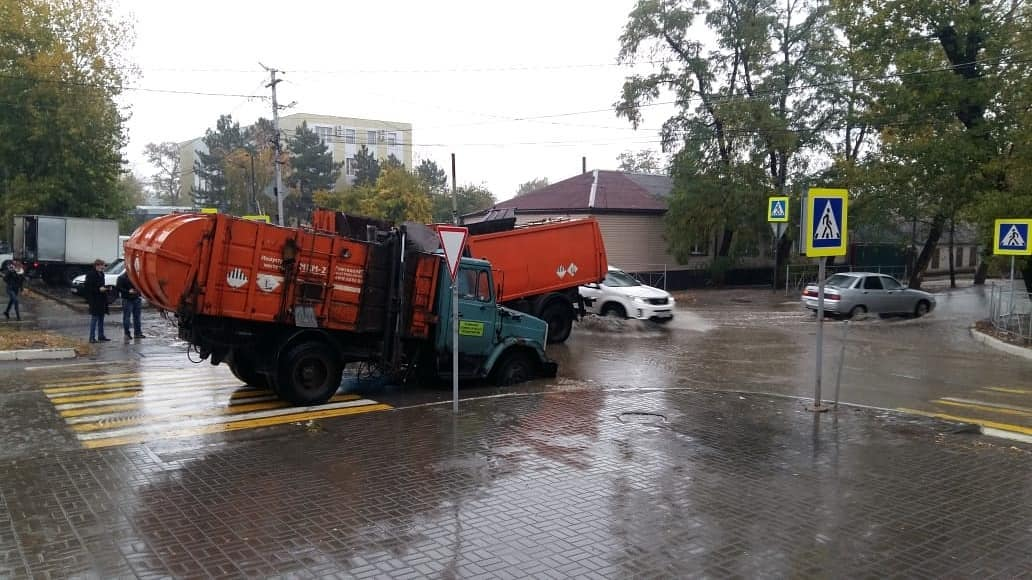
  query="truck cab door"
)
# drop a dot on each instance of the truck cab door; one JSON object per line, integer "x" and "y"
{"x": 478, "y": 315}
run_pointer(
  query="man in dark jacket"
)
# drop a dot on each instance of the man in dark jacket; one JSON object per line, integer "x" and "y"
{"x": 96, "y": 293}
{"x": 131, "y": 304}
{"x": 15, "y": 280}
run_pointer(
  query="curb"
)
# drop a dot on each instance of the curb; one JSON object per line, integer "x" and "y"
{"x": 1000, "y": 345}
{"x": 38, "y": 354}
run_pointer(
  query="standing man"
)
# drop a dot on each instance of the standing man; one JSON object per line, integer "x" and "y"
{"x": 14, "y": 277}
{"x": 97, "y": 293}
{"x": 131, "y": 303}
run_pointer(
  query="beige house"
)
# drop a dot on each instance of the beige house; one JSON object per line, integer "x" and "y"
{"x": 344, "y": 136}
{"x": 628, "y": 206}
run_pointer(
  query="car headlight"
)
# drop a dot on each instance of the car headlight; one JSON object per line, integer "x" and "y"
{"x": 640, "y": 299}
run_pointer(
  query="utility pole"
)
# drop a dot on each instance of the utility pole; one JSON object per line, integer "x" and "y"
{"x": 278, "y": 186}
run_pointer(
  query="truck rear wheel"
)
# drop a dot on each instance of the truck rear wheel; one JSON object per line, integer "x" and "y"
{"x": 243, "y": 368}
{"x": 515, "y": 366}
{"x": 559, "y": 317}
{"x": 309, "y": 374}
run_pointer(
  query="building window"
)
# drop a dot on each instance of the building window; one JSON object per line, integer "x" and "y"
{"x": 936, "y": 259}
{"x": 325, "y": 134}
{"x": 973, "y": 256}
{"x": 349, "y": 166}
{"x": 349, "y": 136}
{"x": 392, "y": 139}
{"x": 371, "y": 139}
{"x": 959, "y": 261}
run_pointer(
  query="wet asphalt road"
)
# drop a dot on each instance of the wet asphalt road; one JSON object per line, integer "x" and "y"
{"x": 730, "y": 340}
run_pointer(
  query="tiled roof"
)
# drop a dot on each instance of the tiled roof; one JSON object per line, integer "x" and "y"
{"x": 616, "y": 191}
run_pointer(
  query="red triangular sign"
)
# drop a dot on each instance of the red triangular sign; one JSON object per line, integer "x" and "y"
{"x": 453, "y": 240}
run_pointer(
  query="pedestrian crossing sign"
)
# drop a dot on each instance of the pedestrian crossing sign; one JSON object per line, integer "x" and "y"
{"x": 827, "y": 222}
{"x": 1011, "y": 237}
{"x": 777, "y": 209}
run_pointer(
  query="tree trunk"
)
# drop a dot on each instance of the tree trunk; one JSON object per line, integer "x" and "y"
{"x": 953, "y": 272}
{"x": 923, "y": 259}
{"x": 1026, "y": 273}
{"x": 725, "y": 243}
{"x": 982, "y": 272}
{"x": 783, "y": 252}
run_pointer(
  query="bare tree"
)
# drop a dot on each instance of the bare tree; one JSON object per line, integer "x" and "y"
{"x": 165, "y": 157}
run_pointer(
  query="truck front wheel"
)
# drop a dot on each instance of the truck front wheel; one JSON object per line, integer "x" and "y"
{"x": 559, "y": 317}
{"x": 515, "y": 366}
{"x": 309, "y": 374}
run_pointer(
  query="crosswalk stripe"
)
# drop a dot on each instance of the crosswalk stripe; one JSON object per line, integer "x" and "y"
{"x": 983, "y": 422}
{"x": 111, "y": 421}
{"x": 152, "y": 396}
{"x": 84, "y": 409}
{"x": 236, "y": 426}
{"x": 1011, "y": 391}
{"x": 125, "y": 385}
{"x": 117, "y": 377}
{"x": 223, "y": 419}
{"x": 986, "y": 406}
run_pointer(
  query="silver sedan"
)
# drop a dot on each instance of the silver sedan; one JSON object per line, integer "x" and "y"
{"x": 856, "y": 293}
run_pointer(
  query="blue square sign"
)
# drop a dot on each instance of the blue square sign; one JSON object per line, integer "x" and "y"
{"x": 1011, "y": 237}
{"x": 827, "y": 223}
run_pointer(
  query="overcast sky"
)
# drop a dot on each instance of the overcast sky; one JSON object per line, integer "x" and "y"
{"x": 417, "y": 62}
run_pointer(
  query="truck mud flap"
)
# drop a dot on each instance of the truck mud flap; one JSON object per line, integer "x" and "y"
{"x": 548, "y": 369}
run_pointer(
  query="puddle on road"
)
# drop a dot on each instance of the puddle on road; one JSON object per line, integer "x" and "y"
{"x": 683, "y": 321}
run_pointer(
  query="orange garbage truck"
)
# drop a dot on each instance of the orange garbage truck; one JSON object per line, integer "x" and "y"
{"x": 289, "y": 308}
{"x": 539, "y": 266}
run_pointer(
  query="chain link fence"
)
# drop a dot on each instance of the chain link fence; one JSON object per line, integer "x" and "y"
{"x": 1011, "y": 312}
{"x": 799, "y": 275}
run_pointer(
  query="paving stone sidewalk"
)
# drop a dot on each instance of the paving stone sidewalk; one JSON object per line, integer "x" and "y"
{"x": 578, "y": 484}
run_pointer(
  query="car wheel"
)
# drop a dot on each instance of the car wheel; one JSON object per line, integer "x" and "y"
{"x": 613, "y": 309}
{"x": 857, "y": 311}
{"x": 516, "y": 366}
{"x": 309, "y": 374}
{"x": 922, "y": 308}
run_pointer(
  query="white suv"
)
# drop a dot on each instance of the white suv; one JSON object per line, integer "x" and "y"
{"x": 623, "y": 296}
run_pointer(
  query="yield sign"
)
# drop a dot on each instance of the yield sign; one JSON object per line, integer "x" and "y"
{"x": 453, "y": 240}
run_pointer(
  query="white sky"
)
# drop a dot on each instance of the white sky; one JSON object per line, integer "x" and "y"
{"x": 407, "y": 61}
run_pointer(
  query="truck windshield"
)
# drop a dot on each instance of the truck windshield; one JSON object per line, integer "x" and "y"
{"x": 619, "y": 279}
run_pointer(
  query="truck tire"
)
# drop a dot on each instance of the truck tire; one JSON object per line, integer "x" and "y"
{"x": 309, "y": 373}
{"x": 559, "y": 317}
{"x": 243, "y": 368}
{"x": 515, "y": 366}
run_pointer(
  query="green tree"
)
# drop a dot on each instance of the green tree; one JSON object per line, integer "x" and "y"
{"x": 469, "y": 199}
{"x": 740, "y": 108}
{"x": 312, "y": 169}
{"x": 367, "y": 168}
{"x": 165, "y": 181}
{"x": 532, "y": 185}
{"x": 131, "y": 193}
{"x": 62, "y": 65}
{"x": 210, "y": 167}
{"x": 644, "y": 161}
{"x": 398, "y": 196}
{"x": 433, "y": 177}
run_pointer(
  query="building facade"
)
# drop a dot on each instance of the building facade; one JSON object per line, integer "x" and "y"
{"x": 344, "y": 136}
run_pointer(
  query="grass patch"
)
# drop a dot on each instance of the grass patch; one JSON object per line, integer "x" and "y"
{"x": 12, "y": 338}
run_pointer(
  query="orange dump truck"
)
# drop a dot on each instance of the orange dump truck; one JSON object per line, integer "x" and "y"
{"x": 289, "y": 308}
{"x": 539, "y": 266}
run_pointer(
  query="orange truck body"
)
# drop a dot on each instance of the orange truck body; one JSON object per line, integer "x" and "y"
{"x": 539, "y": 259}
{"x": 221, "y": 266}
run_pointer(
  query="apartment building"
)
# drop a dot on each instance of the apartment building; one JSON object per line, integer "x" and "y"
{"x": 344, "y": 136}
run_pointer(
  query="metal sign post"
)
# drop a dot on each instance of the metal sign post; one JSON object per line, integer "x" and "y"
{"x": 777, "y": 216}
{"x": 453, "y": 240}
{"x": 1011, "y": 238}
{"x": 826, "y": 235}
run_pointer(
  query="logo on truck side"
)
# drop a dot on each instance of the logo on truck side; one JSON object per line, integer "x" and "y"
{"x": 236, "y": 278}
{"x": 268, "y": 282}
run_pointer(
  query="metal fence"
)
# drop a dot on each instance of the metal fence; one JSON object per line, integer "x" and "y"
{"x": 798, "y": 276}
{"x": 1011, "y": 311}
{"x": 656, "y": 276}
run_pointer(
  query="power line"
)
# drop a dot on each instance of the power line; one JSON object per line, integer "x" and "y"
{"x": 127, "y": 88}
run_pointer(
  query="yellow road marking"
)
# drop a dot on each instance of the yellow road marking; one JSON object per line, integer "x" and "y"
{"x": 157, "y": 418}
{"x": 126, "y": 385}
{"x": 235, "y": 426}
{"x": 982, "y": 422}
{"x": 99, "y": 410}
{"x": 180, "y": 402}
{"x": 1011, "y": 391}
{"x": 141, "y": 374}
{"x": 1001, "y": 410}
{"x": 233, "y": 391}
